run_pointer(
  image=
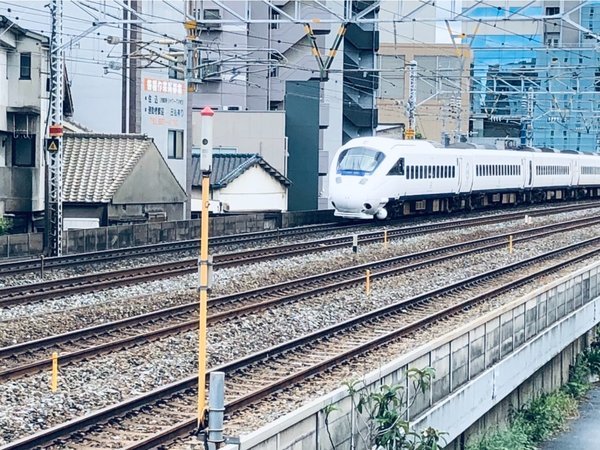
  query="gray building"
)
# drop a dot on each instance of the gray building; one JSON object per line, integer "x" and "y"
{"x": 114, "y": 179}
{"x": 23, "y": 109}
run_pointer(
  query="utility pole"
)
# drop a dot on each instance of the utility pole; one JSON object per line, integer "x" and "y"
{"x": 457, "y": 113}
{"x": 409, "y": 133}
{"x": 527, "y": 105}
{"x": 54, "y": 211}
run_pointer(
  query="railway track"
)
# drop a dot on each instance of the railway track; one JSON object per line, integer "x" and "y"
{"x": 42, "y": 264}
{"x": 30, "y": 357}
{"x": 34, "y": 292}
{"x": 39, "y": 264}
{"x": 169, "y": 412}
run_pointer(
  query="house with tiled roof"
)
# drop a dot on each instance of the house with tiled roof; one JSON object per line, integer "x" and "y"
{"x": 117, "y": 178}
{"x": 241, "y": 182}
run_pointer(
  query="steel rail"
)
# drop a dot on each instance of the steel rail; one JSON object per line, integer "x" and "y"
{"x": 77, "y": 425}
{"x": 31, "y": 264}
{"x": 23, "y": 294}
{"x": 280, "y": 293}
{"x": 12, "y": 267}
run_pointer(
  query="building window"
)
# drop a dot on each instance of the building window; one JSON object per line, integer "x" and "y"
{"x": 274, "y": 16}
{"x": 552, "y": 10}
{"x": 175, "y": 144}
{"x": 212, "y": 14}
{"x": 175, "y": 70}
{"x": 552, "y": 39}
{"x": 23, "y": 154}
{"x": 25, "y": 66}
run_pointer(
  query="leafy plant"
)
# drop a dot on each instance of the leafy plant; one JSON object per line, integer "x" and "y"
{"x": 385, "y": 410}
{"x": 547, "y": 414}
{"x": 5, "y": 225}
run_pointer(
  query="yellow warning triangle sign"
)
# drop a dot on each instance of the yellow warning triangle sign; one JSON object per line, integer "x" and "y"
{"x": 52, "y": 147}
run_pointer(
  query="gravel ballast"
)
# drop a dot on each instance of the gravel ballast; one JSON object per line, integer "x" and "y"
{"x": 27, "y": 405}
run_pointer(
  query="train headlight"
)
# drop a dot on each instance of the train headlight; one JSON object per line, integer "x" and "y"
{"x": 363, "y": 180}
{"x": 338, "y": 180}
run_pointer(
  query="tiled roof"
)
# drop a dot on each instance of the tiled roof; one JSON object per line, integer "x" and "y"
{"x": 95, "y": 165}
{"x": 226, "y": 167}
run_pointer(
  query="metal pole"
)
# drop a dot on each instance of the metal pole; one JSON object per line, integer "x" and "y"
{"x": 205, "y": 166}
{"x": 54, "y": 378}
{"x": 54, "y": 216}
{"x": 530, "y": 106}
{"x": 216, "y": 406}
{"x": 412, "y": 99}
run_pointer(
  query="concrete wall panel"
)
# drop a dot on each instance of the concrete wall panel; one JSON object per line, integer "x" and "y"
{"x": 540, "y": 364}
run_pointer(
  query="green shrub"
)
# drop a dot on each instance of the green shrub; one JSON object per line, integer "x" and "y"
{"x": 514, "y": 437}
{"x": 545, "y": 415}
{"x": 5, "y": 225}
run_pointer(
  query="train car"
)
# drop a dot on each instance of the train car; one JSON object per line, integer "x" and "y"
{"x": 380, "y": 177}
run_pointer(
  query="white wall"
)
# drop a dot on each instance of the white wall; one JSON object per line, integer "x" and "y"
{"x": 249, "y": 132}
{"x": 32, "y": 94}
{"x": 254, "y": 190}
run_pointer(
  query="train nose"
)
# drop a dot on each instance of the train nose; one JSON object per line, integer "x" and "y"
{"x": 346, "y": 202}
{"x": 349, "y": 201}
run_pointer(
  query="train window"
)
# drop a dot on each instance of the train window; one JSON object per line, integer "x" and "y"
{"x": 420, "y": 172}
{"x": 453, "y": 171}
{"x": 398, "y": 168}
{"x": 359, "y": 161}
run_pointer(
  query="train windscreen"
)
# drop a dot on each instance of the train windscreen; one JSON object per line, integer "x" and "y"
{"x": 359, "y": 161}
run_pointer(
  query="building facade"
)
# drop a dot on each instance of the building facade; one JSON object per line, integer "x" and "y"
{"x": 537, "y": 80}
{"x": 23, "y": 109}
{"x": 442, "y": 89}
{"x": 533, "y": 69}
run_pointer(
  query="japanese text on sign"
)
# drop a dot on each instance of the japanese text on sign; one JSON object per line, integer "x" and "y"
{"x": 164, "y": 102}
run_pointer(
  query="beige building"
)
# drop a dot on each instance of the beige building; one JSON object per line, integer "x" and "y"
{"x": 442, "y": 88}
{"x": 261, "y": 132}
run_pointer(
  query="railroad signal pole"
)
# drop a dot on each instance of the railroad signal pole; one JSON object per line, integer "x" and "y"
{"x": 54, "y": 208}
{"x": 412, "y": 99}
{"x": 206, "y": 168}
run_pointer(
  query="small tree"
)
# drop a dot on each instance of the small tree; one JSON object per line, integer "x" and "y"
{"x": 385, "y": 411}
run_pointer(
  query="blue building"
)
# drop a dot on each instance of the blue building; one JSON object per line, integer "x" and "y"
{"x": 557, "y": 61}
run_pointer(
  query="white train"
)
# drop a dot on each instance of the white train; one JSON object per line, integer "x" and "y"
{"x": 380, "y": 177}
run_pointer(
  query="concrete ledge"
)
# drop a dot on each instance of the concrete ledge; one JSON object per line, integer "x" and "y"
{"x": 460, "y": 410}
{"x": 476, "y": 366}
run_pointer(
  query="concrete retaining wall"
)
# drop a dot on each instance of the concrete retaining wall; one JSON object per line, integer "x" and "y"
{"x": 122, "y": 236}
{"x": 477, "y": 366}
